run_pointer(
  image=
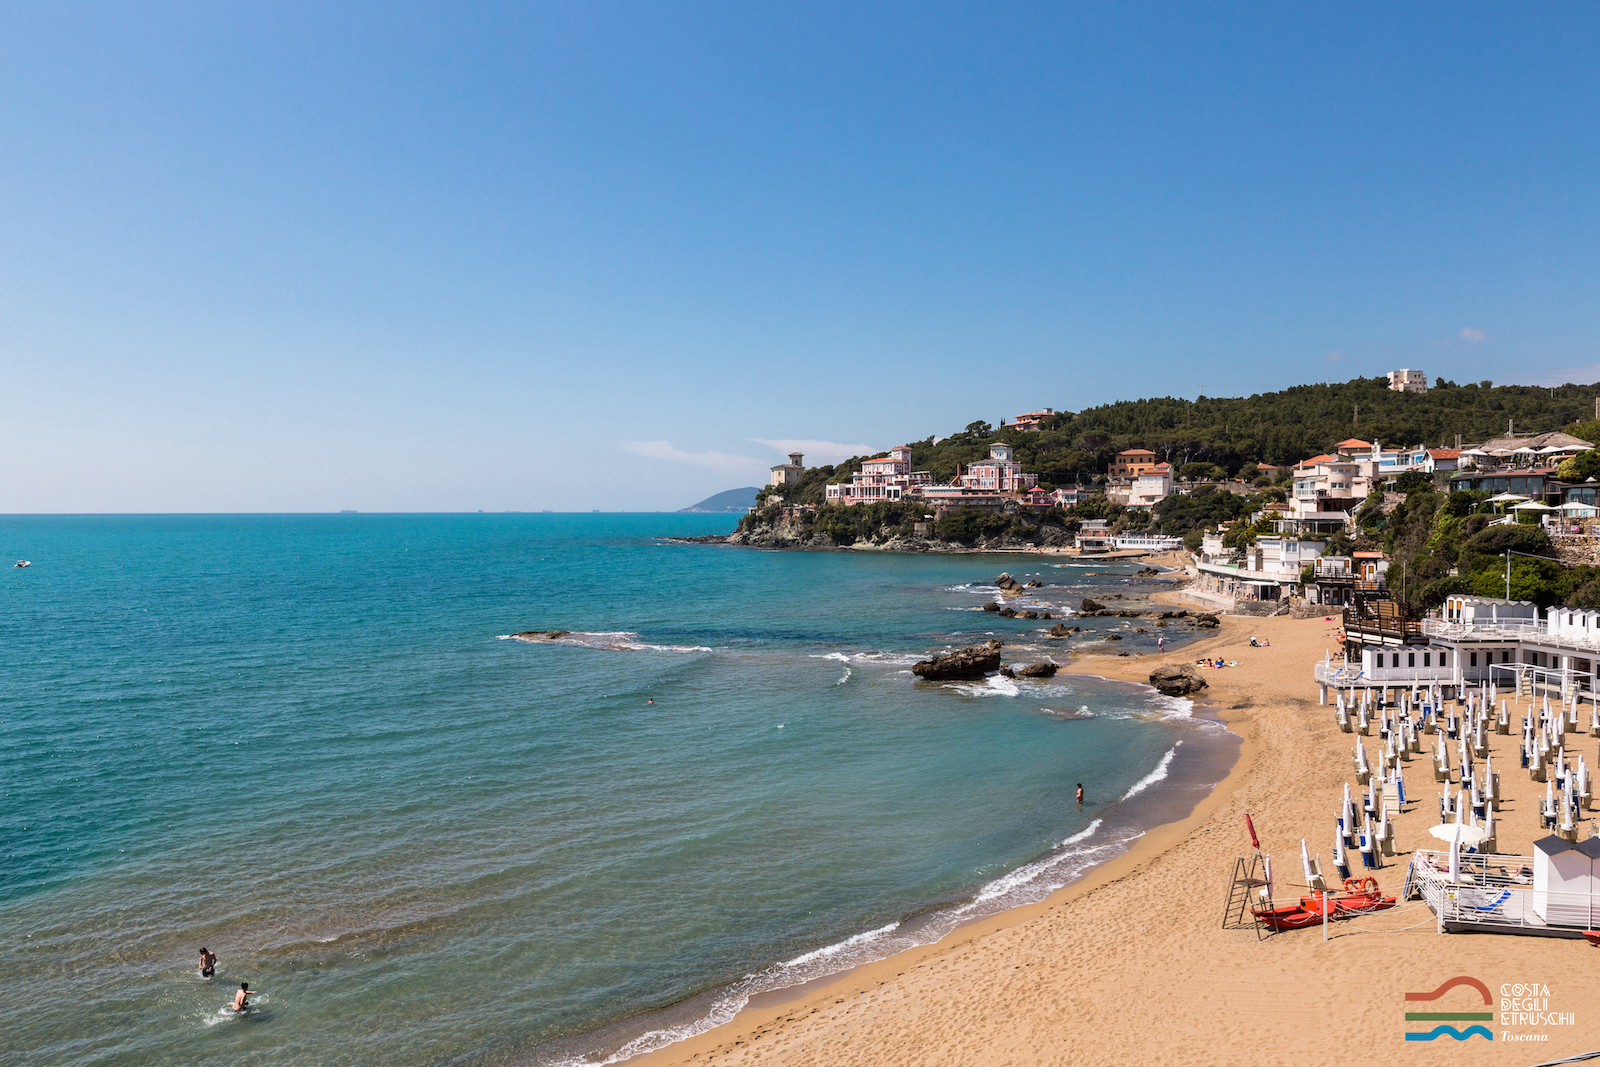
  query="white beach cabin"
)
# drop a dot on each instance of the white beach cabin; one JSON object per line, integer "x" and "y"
{"x": 1565, "y": 881}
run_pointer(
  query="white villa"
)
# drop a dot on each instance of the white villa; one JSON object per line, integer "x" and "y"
{"x": 789, "y": 473}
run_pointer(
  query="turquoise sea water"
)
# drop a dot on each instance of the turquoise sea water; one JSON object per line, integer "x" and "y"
{"x": 303, "y": 742}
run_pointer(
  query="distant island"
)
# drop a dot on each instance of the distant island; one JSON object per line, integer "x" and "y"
{"x": 732, "y": 502}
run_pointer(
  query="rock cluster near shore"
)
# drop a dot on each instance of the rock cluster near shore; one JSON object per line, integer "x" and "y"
{"x": 1177, "y": 680}
{"x": 541, "y": 635}
{"x": 973, "y": 661}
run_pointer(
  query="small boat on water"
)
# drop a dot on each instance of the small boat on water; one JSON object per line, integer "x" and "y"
{"x": 24, "y": 563}
{"x": 1359, "y": 897}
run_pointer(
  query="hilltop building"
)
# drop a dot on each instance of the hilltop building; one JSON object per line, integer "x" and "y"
{"x": 1408, "y": 381}
{"x": 1133, "y": 462}
{"x": 1032, "y": 419}
{"x": 789, "y": 473}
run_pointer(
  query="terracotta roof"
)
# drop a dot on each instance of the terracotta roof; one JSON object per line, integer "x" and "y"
{"x": 1137, "y": 452}
{"x": 1354, "y": 443}
{"x": 1314, "y": 460}
{"x": 1445, "y": 453}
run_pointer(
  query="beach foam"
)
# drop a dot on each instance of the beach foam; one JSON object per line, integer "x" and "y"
{"x": 997, "y": 686}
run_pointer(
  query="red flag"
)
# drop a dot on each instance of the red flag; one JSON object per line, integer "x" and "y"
{"x": 1252, "y": 828}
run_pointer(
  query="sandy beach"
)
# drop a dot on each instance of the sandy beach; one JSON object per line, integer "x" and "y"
{"x": 1132, "y": 965}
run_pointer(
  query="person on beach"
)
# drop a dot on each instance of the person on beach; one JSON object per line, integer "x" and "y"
{"x": 241, "y": 998}
{"x": 1080, "y": 794}
{"x": 208, "y": 962}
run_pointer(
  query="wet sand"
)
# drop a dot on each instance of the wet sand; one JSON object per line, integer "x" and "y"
{"x": 1132, "y": 965}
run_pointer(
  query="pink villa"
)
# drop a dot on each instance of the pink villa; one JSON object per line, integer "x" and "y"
{"x": 880, "y": 479}
{"x": 998, "y": 474}
{"x": 985, "y": 484}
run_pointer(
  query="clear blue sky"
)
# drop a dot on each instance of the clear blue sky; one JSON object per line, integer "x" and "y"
{"x": 403, "y": 257}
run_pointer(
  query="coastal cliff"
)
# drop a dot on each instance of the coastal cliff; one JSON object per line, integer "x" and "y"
{"x": 891, "y": 528}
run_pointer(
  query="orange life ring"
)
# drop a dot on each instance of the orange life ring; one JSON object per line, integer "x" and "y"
{"x": 1368, "y": 884}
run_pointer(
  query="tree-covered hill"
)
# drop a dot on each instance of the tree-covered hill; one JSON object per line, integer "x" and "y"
{"x": 1231, "y": 433}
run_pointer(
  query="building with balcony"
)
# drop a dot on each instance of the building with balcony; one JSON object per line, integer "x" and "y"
{"x": 1327, "y": 490}
{"x": 1151, "y": 487}
{"x": 1000, "y": 473}
{"x": 1270, "y": 569}
{"x": 1094, "y": 535}
{"x": 1335, "y": 580}
{"x": 887, "y": 478}
{"x": 1472, "y": 640}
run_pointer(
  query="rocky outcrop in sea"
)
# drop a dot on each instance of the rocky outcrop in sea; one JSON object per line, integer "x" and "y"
{"x": 974, "y": 661}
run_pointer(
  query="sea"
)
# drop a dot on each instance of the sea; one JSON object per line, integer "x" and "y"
{"x": 311, "y": 744}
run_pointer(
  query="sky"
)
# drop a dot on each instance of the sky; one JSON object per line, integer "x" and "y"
{"x": 617, "y": 256}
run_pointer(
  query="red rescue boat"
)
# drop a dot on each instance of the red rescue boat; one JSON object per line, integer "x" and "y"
{"x": 1360, "y": 897}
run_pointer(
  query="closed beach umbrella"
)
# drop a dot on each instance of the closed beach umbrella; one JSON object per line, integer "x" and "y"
{"x": 1455, "y": 855}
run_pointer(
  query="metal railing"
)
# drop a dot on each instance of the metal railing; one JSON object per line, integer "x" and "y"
{"x": 1531, "y": 630}
{"x": 1496, "y": 893}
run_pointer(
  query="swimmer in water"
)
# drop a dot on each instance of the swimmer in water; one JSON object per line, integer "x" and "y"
{"x": 1080, "y": 794}
{"x": 240, "y": 1002}
{"x": 649, "y": 701}
{"x": 208, "y": 962}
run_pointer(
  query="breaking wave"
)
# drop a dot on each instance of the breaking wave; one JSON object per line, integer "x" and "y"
{"x": 1157, "y": 775}
{"x": 616, "y": 641}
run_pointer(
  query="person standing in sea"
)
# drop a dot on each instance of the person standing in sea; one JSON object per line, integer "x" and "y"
{"x": 241, "y": 998}
{"x": 1080, "y": 794}
{"x": 208, "y": 962}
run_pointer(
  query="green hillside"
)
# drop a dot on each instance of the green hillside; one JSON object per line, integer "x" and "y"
{"x": 1233, "y": 432}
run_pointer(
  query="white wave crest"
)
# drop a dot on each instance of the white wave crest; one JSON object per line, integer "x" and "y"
{"x": 839, "y": 946}
{"x": 1156, "y": 775}
{"x": 613, "y": 641}
{"x": 1082, "y": 835}
{"x": 1037, "y": 880}
{"x": 997, "y": 686}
